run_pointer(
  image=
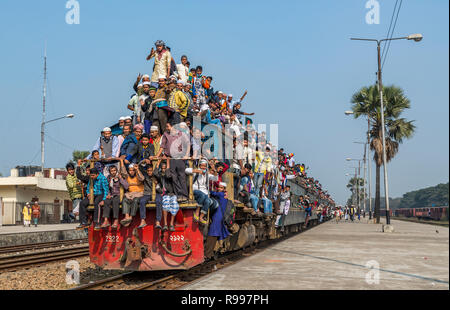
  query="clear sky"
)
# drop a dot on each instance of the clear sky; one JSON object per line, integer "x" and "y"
{"x": 294, "y": 58}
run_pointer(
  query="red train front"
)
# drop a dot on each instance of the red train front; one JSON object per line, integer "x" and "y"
{"x": 149, "y": 248}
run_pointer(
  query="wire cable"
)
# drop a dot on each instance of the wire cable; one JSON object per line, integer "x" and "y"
{"x": 389, "y": 43}
{"x": 389, "y": 30}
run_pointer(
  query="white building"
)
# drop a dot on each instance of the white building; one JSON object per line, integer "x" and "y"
{"x": 51, "y": 194}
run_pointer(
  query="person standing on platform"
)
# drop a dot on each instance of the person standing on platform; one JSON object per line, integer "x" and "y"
{"x": 26, "y": 212}
{"x": 36, "y": 213}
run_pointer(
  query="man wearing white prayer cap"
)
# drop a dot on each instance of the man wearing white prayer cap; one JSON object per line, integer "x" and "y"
{"x": 107, "y": 145}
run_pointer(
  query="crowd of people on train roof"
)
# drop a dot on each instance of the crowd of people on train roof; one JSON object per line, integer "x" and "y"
{"x": 148, "y": 155}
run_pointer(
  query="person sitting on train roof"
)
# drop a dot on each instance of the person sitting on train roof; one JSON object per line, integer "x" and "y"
{"x": 175, "y": 144}
{"x": 129, "y": 145}
{"x": 169, "y": 199}
{"x": 98, "y": 164}
{"x": 101, "y": 191}
{"x": 107, "y": 144}
{"x": 155, "y": 138}
{"x": 217, "y": 229}
{"x": 145, "y": 149}
{"x": 121, "y": 122}
{"x": 115, "y": 181}
{"x": 138, "y": 130}
{"x": 150, "y": 180}
{"x": 200, "y": 185}
{"x": 163, "y": 60}
{"x": 129, "y": 121}
{"x": 135, "y": 191}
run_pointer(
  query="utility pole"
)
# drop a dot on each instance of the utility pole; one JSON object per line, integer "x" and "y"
{"x": 368, "y": 166}
{"x": 43, "y": 111}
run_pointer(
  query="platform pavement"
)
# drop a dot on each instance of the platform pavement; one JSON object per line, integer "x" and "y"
{"x": 51, "y": 227}
{"x": 334, "y": 257}
{"x": 17, "y": 235}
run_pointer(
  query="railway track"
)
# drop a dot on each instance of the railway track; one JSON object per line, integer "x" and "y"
{"x": 19, "y": 261}
{"x": 41, "y": 245}
{"x": 158, "y": 280}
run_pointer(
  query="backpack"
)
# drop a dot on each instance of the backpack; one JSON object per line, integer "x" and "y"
{"x": 229, "y": 214}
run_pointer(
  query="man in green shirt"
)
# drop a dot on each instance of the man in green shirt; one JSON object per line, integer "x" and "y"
{"x": 74, "y": 188}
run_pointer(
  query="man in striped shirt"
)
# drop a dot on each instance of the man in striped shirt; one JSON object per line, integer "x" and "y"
{"x": 101, "y": 191}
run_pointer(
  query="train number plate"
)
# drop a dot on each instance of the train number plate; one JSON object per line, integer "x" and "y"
{"x": 176, "y": 237}
{"x": 111, "y": 238}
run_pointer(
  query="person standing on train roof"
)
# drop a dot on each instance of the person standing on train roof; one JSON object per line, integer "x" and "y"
{"x": 135, "y": 191}
{"x": 217, "y": 229}
{"x": 169, "y": 198}
{"x": 155, "y": 138}
{"x": 178, "y": 102}
{"x": 183, "y": 69}
{"x": 134, "y": 103}
{"x": 263, "y": 164}
{"x": 101, "y": 191}
{"x": 148, "y": 109}
{"x": 150, "y": 180}
{"x": 163, "y": 60}
{"x": 200, "y": 185}
{"x": 176, "y": 145}
{"x": 161, "y": 115}
{"x": 112, "y": 202}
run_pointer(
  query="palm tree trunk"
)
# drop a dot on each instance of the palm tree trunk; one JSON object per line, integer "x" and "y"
{"x": 377, "y": 194}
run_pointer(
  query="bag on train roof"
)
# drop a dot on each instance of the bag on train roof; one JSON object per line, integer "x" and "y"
{"x": 228, "y": 216}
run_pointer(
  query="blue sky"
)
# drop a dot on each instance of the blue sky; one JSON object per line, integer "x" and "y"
{"x": 294, "y": 58}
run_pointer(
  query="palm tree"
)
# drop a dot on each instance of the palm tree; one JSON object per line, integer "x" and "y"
{"x": 366, "y": 102}
{"x": 353, "y": 185}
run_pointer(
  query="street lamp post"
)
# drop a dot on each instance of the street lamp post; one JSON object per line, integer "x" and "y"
{"x": 42, "y": 137}
{"x": 416, "y": 38}
{"x": 368, "y": 164}
{"x": 357, "y": 177}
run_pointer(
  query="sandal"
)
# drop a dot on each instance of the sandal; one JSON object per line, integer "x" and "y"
{"x": 165, "y": 228}
{"x": 158, "y": 226}
{"x": 196, "y": 218}
{"x": 114, "y": 226}
{"x": 125, "y": 222}
{"x": 142, "y": 226}
{"x": 202, "y": 221}
{"x": 105, "y": 226}
{"x": 171, "y": 228}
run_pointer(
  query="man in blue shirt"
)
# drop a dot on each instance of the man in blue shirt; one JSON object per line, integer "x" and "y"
{"x": 101, "y": 191}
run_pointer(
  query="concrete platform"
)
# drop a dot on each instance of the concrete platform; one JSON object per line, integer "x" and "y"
{"x": 340, "y": 256}
{"x": 16, "y": 235}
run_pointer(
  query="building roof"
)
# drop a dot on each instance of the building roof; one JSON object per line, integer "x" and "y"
{"x": 43, "y": 183}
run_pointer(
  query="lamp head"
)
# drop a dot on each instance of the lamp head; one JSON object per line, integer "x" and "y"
{"x": 417, "y": 37}
{"x": 70, "y": 115}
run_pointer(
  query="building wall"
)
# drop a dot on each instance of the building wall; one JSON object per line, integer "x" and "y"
{"x": 13, "y": 194}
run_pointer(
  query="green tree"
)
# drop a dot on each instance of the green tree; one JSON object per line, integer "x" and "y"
{"x": 356, "y": 187}
{"x": 79, "y": 155}
{"x": 366, "y": 102}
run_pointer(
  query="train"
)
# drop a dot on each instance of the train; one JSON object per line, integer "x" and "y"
{"x": 130, "y": 248}
{"x": 430, "y": 213}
